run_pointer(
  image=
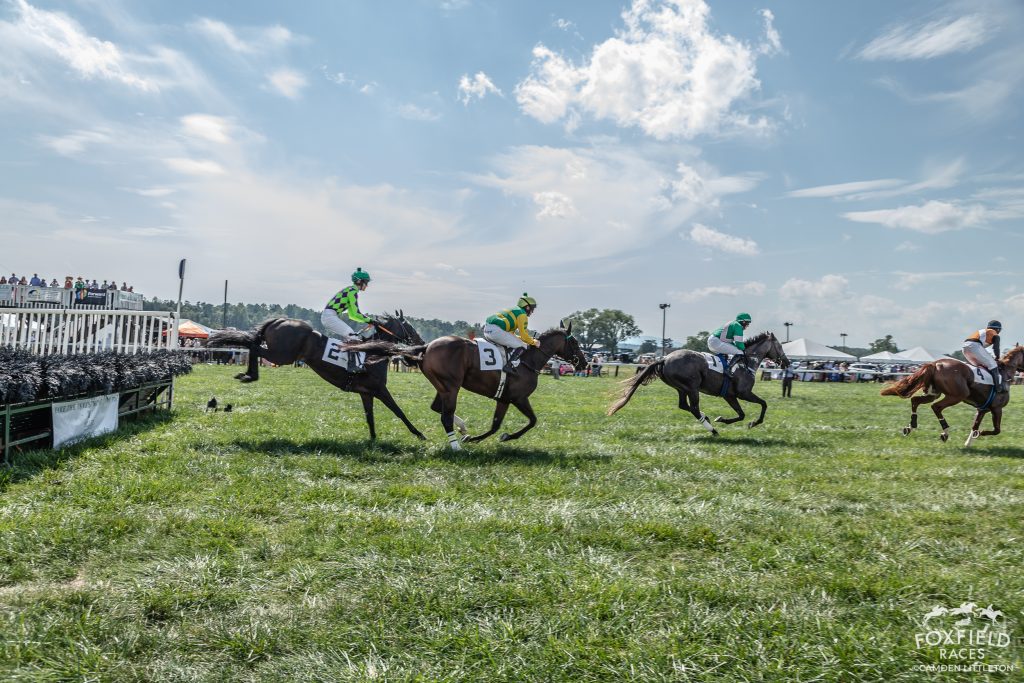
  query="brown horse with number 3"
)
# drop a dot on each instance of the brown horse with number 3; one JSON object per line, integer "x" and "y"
{"x": 452, "y": 363}
{"x": 954, "y": 382}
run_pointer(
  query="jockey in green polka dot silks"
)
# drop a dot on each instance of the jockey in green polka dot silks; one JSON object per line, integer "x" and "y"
{"x": 342, "y": 311}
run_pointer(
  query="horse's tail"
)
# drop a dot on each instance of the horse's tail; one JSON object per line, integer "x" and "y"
{"x": 645, "y": 376}
{"x": 410, "y": 354}
{"x": 234, "y": 338}
{"x": 908, "y": 386}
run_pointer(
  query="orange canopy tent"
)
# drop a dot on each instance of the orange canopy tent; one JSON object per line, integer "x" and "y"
{"x": 192, "y": 330}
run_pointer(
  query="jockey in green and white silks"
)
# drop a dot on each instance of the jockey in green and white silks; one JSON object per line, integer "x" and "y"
{"x": 502, "y": 328}
{"x": 728, "y": 339}
{"x": 342, "y": 311}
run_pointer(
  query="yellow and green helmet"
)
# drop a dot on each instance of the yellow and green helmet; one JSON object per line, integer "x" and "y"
{"x": 360, "y": 276}
{"x": 526, "y": 300}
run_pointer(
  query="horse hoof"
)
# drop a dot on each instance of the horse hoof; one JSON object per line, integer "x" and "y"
{"x": 504, "y": 437}
{"x": 719, "y": 419}
{"x": 944, "y": 437}
{"x": 906, "y": 431}
{"x": 714, "y": 432}
{"x": 421, "y": 437}
{"x": 245, "y": 379}
{"x": 240, "y": 375}
{"x": 751, "y": 425}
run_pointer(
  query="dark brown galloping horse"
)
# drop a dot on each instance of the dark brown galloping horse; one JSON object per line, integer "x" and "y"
{"x": 688, "y": 373}
{"x": 954, "y": 382}
{"x": 452, "y": 363}
{"x": 289, "y": 340}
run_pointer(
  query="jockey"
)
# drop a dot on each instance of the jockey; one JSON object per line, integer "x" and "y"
{"x": 502, "y": 328}
{"x": 728, "y": 340}
{"x": 975, "y": 353}
{"x": 343, "y": 309}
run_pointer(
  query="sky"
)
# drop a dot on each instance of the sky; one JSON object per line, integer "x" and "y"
{"x": 847, "y": 167}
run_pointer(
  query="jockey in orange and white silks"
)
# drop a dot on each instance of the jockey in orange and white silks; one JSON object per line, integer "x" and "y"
{"x": 975, "y": 352}
{"x": 343, "y": 309}
{"x": 503, "y": 327}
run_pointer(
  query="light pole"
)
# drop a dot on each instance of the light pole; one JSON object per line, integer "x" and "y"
{"x": 664, "y": 309}
{"x": 788, "y": 325}
{"x": 843, "y": 335}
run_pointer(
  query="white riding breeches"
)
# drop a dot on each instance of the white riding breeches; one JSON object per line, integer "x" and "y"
{"x": 335, "y": 325}
{"x": 495, "y": 334}
{"x": 976, "y": 354}
{"x": 716, "y": 345}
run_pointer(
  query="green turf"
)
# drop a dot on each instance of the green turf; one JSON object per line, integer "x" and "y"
{"x": 276, "y": 543}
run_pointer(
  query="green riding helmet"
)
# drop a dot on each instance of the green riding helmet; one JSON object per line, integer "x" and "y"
{"x": 526, "y": 300}
{"x": 743, "y": 318}
{"x": 360, "y": 276}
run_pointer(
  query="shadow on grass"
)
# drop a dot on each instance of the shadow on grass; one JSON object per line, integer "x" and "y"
{"x": 361, "y": 449}
{"x": 29, "y": 463}
{"x": 479, "y": 455}
{"x": 995, "y": 451}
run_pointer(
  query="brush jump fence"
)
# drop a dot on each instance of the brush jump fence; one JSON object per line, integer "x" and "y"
{"x": 56, "y": 361}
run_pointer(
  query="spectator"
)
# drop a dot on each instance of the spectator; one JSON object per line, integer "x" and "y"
{"x": 3, "y": 280}
{"x": 79, "y": 283}
{"x": 35, "y": 281}
{"x": 42, "y": 282}
{"x": 68, "y": 283}
{"x": 113, "y": 286}
{"x": 131, "y": 288}
{"x": 787, "y": 381}
{"x": 55, "y": 283}
{"x": 13, "y": 279}
{"x": 23, "y": 281}
{"x": 94, "y": 285}
{"x": 124, "y": 286}
{"x": 105, "y": 285}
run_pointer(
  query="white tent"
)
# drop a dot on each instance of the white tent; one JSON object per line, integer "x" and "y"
{"x": 920, "y": 354}
{"x": 883, "y": 357}
{"x": 805, "y": 349}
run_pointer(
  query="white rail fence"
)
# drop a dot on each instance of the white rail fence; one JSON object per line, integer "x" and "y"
{"x": 68, "y": 331}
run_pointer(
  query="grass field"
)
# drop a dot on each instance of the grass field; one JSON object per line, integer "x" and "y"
{"x": 276, "y": 543}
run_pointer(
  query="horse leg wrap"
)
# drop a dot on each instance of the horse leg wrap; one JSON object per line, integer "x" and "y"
{"x": 706, "y": 422}
{"x": 943, "y": 424}
{"x": 913, "y": 420}
{"x": 453, "y": 441}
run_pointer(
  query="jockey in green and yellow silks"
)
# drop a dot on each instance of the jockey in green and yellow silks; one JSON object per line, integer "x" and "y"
{"x": 728, "y": 340}
{"x": 503, "y": 327}
{"x": 343, "y": 308}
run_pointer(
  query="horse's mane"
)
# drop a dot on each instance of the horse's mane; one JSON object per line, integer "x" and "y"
{"x": 758, "y": 338}
{"x": 1011, "y": 353}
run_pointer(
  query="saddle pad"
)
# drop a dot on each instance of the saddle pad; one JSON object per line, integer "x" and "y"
{"x": 492, "y": 356}
{"x": 714, "y": 362}
{"x": 981, "y": 375}
{"x": 334, "y": 354}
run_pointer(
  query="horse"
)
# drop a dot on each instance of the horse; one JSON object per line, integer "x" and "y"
{"x": 289, "y": 340}
{"x": 452, "y": 363}
{"x": 688, "y": 373}
{"x": 954, "y": 381}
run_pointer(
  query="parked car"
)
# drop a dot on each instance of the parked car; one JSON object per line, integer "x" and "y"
{"x": 864, "y": 372}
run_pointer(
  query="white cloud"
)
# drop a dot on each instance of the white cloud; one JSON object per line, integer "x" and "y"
{"x": 828, "y": 287}
{"x": 907, "y": 246}
{"x": 934, "y": 39}
{"x": 1016, "y": 303}
{"x": 842, "y": 189}
{"x": 76, "y": 142}
{"x": 554, "y": 205}
{"x": 90, "y": 57}
{"x": 665, "y": 72}
{"x": 257, "y": 39}
{"x": 287, "y": 82}
{"x": 416, "y": 113}
{"x": 207, "y": 127}
{"x": 151, "y": 232}
{"x": 477, "y": 87}
{"x": 447, "y": 267}
{"x": 772, "y": 43}
{"x": 746, "y": 289}
{"x": 563, "y": 24}
{"x": 197, "y": 167}
{"x": 709, "y": 237}
{"x": 930, "y": 218}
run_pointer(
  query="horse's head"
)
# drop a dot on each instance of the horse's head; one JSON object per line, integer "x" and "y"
{"x": 396, "y": 328}
{"x": 1014, "y": 358}
{"x": 564, "y": 345}
{"x": 768, "y": 346}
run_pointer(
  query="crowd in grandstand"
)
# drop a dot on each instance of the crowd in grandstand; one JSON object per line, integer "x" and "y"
{"x": 69, "y": 283}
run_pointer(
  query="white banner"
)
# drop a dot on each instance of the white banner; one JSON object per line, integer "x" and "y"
{"x": 50, "y": 294}
{"x": 75, "y": 420}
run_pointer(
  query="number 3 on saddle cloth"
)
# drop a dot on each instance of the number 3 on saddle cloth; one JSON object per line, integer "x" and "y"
{"x": 719, "y": 363}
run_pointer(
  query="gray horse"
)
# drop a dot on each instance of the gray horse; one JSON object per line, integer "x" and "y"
{"x": 688, "y": 373}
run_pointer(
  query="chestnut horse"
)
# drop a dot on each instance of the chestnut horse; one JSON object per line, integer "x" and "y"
{"x": 954, "y": 382}
{"x": 452, "y": 363}
{"x": 284, "y": 340}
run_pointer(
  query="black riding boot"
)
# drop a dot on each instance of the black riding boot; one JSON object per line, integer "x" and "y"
{"x": 1000, "y": 383}
{"x": 512, "y": 365}
{"x": 737, "y": 361}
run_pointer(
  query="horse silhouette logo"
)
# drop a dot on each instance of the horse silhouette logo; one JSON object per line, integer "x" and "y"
{"x": 965, "y": 615}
